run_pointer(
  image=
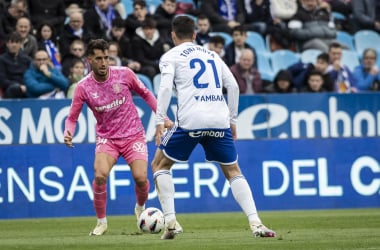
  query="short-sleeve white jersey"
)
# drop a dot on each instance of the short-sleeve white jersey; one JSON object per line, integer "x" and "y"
{"x": 198, "y": 75}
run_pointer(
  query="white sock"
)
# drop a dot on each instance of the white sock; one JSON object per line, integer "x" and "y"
{"x": 140, "y": 207}
{"x": 102, "y": 220}
{"x": 243, "y": 195}
{"x": 165, "y": 190}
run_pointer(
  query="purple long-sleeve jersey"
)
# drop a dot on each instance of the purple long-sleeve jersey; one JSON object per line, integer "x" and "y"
{"x": 111, "y": 102}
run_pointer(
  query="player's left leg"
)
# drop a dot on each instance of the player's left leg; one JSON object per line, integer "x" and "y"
{"x": 142, "y": 185}
{"x": 102, "y": 166}
{"x": 135, "y": 152}
{"x": 220, "y": 147}
{"x": 243, "y": 196}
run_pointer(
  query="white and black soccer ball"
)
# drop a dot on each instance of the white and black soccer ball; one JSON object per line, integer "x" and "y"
{"x": 151, "y": 221}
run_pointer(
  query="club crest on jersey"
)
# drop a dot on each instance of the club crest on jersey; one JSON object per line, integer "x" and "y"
{"x": 95, "y": 95}
{"x": 116, "y": 88}
{"x": 139, "y": 147}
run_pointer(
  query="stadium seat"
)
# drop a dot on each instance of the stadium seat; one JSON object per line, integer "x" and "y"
{"x": 263, "y": 66}
{"x": 366, "y": 39}
{"x": 227, "y": 37}
{"x": 147, "y": 82}
{"x": 346, "y": 39}
{"x": 350, "y": 59}
{"x": 338, "y": 16}
{"x": 310, "y": 55}
{"x": 151, "y": 5}
{"x": 128, "y": 5}
{"x": 257, "y": 41}
{"x": 282, "y": 59}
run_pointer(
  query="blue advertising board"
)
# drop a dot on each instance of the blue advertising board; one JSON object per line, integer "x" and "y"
{"x": 296, "y": 151}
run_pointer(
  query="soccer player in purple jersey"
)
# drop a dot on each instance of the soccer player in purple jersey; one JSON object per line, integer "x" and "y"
{"x": 203, "y": 117}
{"x": 107, "y": 91}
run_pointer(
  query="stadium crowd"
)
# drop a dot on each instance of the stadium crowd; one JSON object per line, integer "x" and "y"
{"x": 271, "y": 46}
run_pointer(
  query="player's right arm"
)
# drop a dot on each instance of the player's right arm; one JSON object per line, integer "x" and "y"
{"x": 72, "y": 118}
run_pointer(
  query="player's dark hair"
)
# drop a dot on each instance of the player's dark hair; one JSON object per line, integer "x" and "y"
{"x": 324, "y": 57}
{"x": 183, "y": 26}
{"x": 99, "y": 44}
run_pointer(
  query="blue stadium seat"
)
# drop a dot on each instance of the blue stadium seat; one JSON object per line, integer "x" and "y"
{"x": 263, "y": 66}
{"x": 151, "y": 5}
{"x": 310, "y": 55}
{"x": 227, "y": 37}
{"x": 345, "y": 39}
{"x": 282, "y": 59}
{"x": 366, "y": 39}
{"x": 128, "y": 5}
{"x": 257, "y": 41}
{"x": 147, "y": 82}
{"x": 350, "y": 59}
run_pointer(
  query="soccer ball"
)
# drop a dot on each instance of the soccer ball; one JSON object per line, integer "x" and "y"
{"x": 151, "y": 221}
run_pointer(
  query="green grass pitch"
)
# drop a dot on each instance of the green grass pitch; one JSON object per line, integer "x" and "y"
{"x": 313, "y": 229}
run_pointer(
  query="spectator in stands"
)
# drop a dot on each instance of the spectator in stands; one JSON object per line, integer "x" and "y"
{"x": 118, "y": 35}
{"x": 203, "y": 30}
{"x": 216, "y": 43}
{"x": 114, "y": 50}
{"x": 257, "y": 15}
{"x": 135, "y": 19}
{"x": 344, "y": 8}
{"x": 44, "y": 81}
{"x": 277, "y": 28}
{"x": 77, "y": 50}
{"x": 341, "y": 6}
{"x": 314, "y": 82}
{"x": 300, "y": 71}
{"x": 164, "y": 15}
{"x": 8, "y": 20}
{"x": 233, "y": 50}
{"x": 29, "y": 42}
{"x": 73, "y": 30}
{"x": 367, "y": 74}
{"x": 311, "y": 26}
{"x": 46, "y": 39}
{"x": 282, "y": 83}
{"x": 344, "y": 81}
{"x": 47, "y": 11}
{"x": 98, "y": 19}
{"x": 246, "y": 74}
{"x": 13, "y": 64}
{"x": 148, "y": 47}
{"x": 366, "y": 14}
{"x": 76, "y": 74}
{"x": 223, "y": 15}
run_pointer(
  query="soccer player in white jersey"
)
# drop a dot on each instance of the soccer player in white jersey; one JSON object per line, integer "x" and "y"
{"x": 203, "y": 117}
{"x": 107, "y": 91}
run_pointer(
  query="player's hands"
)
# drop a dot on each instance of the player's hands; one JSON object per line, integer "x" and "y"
{"x": 68, "y": 139}
{"x": 160, "y": 130}
{"x": 168, "y": 123}
{"x": 233, "y": 130}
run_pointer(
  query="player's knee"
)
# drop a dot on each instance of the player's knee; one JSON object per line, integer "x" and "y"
{"x": 100, "y": 180}
{"x": 140, "y": 180}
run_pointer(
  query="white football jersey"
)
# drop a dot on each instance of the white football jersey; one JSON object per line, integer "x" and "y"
{"x": 198, "y": 75}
